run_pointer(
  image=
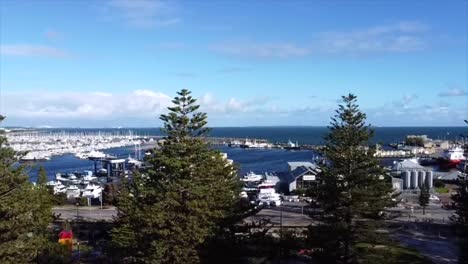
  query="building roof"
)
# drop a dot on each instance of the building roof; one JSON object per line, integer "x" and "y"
{"x": 407, "y": 164}
{"x": 449, "y": 176}
{"x": 300, "y": 171}
{"x": 296, "y": 164}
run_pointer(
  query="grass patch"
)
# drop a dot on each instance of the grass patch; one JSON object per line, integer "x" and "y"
{"x": 442, "y": 190}
{"x": 389, "y": 254}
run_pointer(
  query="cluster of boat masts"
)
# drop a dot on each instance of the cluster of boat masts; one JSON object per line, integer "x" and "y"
{"x": 42, "y": 146}
{"x": 247, "y": 143}
{"x": 261, "y": 189}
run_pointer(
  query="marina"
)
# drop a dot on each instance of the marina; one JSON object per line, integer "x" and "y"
{"x": 43, "y": 145}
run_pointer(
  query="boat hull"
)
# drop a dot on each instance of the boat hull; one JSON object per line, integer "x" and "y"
{"x": 448, "y": 164}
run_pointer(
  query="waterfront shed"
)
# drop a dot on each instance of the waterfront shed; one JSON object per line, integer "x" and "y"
{"x": 301, "y": 175}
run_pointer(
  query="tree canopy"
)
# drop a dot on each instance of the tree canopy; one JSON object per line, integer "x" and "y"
{"x": 424, "y": 196}
{"x": 354, "y": 189}
{"x": 24, "y": 214}
{"x": 167, "y": 212}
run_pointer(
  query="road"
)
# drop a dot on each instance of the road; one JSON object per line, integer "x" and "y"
{"x": 87, "y": 213}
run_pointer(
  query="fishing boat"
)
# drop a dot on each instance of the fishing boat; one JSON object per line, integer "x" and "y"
{"x": 292, "y": 146}
{"x": 452, "y": 157}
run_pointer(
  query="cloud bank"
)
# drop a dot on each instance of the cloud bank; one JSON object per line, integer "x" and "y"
{"x": 142, "y": 107}
{"x": 399, "y": 37}
{"x": 145, "y": 13}
{"x": 454, "y": 92}
{"x": 28, "y": 50}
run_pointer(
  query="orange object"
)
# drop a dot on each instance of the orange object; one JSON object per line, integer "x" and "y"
{"x": 66, "y": 239}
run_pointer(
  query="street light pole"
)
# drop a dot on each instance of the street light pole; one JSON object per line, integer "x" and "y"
{"x": 77, "y": 224}
{"x": 281, "y": 233}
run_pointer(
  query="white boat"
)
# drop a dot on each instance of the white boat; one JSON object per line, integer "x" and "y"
{"x": 96, "y": 155}
{"x": 452, "y": 157}
{"x": 34, "y": 156}
{"x": 73, "y": 179}
{"x": 252, "y": 177}
{"x": 292, "y": 146}
{"x": 60, "y": 188}
{"x": 92, "y": 190}
{"x": 269, "y": 199}
{"x": 59, "y": 177}
{"x": 234, "y": 143}
{"x": 89, "y": 178}
{"x": 72, "y": 192}
{"x": 247, "y": 144}
{"x": 267, "y": 187}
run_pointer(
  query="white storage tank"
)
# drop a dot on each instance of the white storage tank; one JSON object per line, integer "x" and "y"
{"x": 429, "y": 179}
{"x": 422, "y": 178}
{"x": 414, "y": 180}
{"x": 407, "y": 179}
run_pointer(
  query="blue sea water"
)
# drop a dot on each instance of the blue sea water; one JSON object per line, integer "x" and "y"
{"x": 302, "y": 134}
{"x": 258, "y": 160}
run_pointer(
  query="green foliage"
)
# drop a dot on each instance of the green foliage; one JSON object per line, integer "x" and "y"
{"x": 25, "y": 212}
{"x": 354, "y": 187}
{"x": 442, "y": 190}
{"x": 438, "y": 183}
{"x": 300, "y": 192}
{"x": 424, "y": 196}
{"x": 460, "y": 199}
{"x": 82, "y": 201}
{"x": 460, "y": 218}
{"x": 414, "y": 141}
{"x": 388, "y": 254}
{"x": 110, "y": 194}
{"x": 166, "y": 213}
{"x": 60, "y": 199}
{"x": 42, "y": 176}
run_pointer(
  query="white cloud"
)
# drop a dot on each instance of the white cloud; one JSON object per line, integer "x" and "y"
{"x": 399, "y": 37}
{"x": 145, "y": 13}
{"x": 85, "y": 106}
{"x": 27, "y": 50}
{"x": 405, "y": 101}
{"x": 454, "y": 92}
{"x": 262, "y": 50}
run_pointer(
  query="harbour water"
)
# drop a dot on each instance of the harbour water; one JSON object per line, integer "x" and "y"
{"x": 258, "y": 160}
{"x": 302, "y": 134}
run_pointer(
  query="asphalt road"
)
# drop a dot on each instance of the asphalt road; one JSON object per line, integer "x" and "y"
{"x": 88, "y": 213}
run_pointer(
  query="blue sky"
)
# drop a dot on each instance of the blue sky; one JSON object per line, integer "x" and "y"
{"x": 118, "y": 62}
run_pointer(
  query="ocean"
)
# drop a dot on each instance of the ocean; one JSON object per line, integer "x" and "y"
{"x": 302, "y": 134}
{"x": 257, "y": 160}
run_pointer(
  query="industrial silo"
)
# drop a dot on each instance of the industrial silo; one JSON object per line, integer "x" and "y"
{"x": 429, "y": 179}
{"x": 414, "y": 180}
{"x": 421, "y": 178}
{"x": 406, "y": 179}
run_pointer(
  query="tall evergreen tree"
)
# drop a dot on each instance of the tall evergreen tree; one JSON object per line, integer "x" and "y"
{"x": 460, "y": 218}
{"x": 424, "y": 196}
{"x": 42, "y": 176}
{"x": 354, "y": 190}
{"x": 167, "y": 212}
{"x": 23, "y": 218}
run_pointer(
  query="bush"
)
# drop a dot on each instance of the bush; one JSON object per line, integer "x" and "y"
{"x": 438, "y": 183}
{"x": 60, "y": 199}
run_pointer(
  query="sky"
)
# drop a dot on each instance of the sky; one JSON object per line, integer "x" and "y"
{"x": 249, "y": 63}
